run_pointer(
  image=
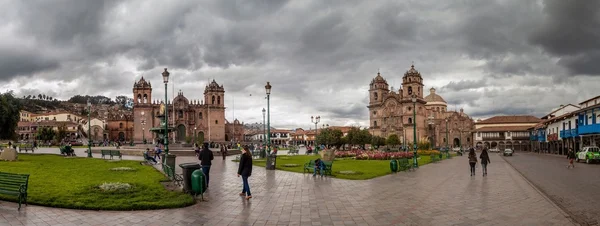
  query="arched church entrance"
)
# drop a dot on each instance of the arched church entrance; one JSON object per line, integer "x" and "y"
{"x": 456, "y": 142}
{"x": 180, "y": 133}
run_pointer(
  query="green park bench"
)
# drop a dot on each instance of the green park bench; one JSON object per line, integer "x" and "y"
{"x": 404, "y": 164}
{"x": 104, "y": 153}
{"x": 293, "y": 152}
{"x": 311, "y": 166}
{"x": 67, "y": 150}
{"x": 111, "y": 153}
{"x": 26, "y": 148}
{"x": 170, "y": 172}
{"x": 14, "y": 185}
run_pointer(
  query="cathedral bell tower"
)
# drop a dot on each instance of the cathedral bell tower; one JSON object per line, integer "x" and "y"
{"x": 377, "y": 90}
{"x": 412, "y": 83}
{"x": 142, "y": 92}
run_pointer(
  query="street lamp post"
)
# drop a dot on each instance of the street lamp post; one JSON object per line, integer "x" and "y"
{"x": 415, "y": 163}
{"x": 447, "y": 147}
{"x": 165, "y": 76}
{"x": 316, "y": 121}
{"x": 268, "y": 90}
{"x": 89, "y": 105}
{"x": 263, "y": 153}
{"x": 195, "y": 139}
{"x": 431, "y": 124}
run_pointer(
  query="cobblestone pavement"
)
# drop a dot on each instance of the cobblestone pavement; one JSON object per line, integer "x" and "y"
{"x": 436, "y": 194}
{"x": 576, "y": 190}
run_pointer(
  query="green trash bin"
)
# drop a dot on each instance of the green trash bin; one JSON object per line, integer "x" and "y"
{"x": 187, "y": 170}
{"x": 198, "y": 180}
{"x": 394, "y": 166}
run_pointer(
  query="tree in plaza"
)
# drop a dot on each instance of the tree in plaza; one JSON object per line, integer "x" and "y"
{"x": 46, "y": 134}
{"x": 9, "y": 116}
{"x": 377, "y": 141}
{"x": 62, "y": 132}
{"x": 392, "y": 140}
{"x": 364, "y": 138}
{"x": 330, "y": 137}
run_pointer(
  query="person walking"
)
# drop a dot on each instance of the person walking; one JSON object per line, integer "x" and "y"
{"x": 245, "y": 170}
{"x": 472, "y": 161}
{"x": 485, "y": 159}
{"x": 206, "y": 157}
{"x": 223, "y": 152}
{"x": 571, "y": 157}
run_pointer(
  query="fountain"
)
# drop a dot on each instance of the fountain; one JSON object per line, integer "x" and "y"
{"x": 160, "y": 130}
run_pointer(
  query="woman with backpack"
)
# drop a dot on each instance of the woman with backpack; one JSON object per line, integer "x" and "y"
{"x": 485, "y": 159}
{"x": 472, "y": 161}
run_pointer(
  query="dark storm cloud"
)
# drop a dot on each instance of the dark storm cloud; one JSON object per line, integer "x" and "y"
{"x": 465, "y": 84}
{"x": 24, "y": 62}
{"x": 571, "y": 31}
{"x": 318, "y": 55}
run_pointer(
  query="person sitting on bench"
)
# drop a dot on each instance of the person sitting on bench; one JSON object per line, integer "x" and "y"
{"x": 147, "y": 156}
{"x": 320, "y": 166}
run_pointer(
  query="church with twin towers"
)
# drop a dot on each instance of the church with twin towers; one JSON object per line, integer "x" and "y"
{"x": 391, "y": 112}
{"x": 188, "y": 118}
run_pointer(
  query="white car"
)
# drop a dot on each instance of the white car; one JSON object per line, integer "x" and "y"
{"x": 508, "y": 152}
{"x": 494, "y": 150}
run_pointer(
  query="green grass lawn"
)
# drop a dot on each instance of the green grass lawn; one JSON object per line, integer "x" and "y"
{"x": 366, "y": 169}
{"x": 72, "y": 183}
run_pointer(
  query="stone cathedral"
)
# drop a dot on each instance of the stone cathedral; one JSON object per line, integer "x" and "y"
{"x": 391, "y": 112}
{"x": 205, "y": 117}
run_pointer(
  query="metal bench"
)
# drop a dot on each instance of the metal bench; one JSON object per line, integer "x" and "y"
{"x": 293, "y": 151}
{"x": 311, "y": 166}
{"x": 67, "y": 150}
{"x": 404, "y": 164}
{"x": 170, "y": 172}
{"x": 26, "y": 148}
{"x": 111, "y": 153}
{"x": 105, "y": 153}
{"x": 14, "y": 185}
{"x": 115, "y": 153}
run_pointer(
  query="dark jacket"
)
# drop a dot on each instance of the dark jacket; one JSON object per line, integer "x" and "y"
{"x": 571, "y": 155}
{"x": 245, "y": 168}
{"x": 206, "y": 157}
{"x": 485, "y": 158}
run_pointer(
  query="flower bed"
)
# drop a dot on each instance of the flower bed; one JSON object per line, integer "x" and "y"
{"x": 373, "y": 155}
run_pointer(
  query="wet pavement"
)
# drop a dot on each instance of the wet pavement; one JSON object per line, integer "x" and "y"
{"x": 436, "y": 194}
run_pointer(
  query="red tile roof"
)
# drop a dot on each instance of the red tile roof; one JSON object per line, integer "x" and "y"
{"x": 502, "y": 128}
{"x": 506, "y": 119}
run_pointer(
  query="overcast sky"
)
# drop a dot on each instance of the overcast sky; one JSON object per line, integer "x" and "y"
{"x": 488, "y": 57}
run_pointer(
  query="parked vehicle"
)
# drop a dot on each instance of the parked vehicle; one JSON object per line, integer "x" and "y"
{"x": 508, "y": 152}
{"x": 494, "y": 150}
{"x": 589, "y": 154}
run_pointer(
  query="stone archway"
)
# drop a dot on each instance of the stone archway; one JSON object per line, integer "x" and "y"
{"x": 121, "y": 136}
{"x": 200, "y": 138}
{"x": 456, "y": 142}
{"x": 181, "y": 133}
{"x": 494, "y": 144}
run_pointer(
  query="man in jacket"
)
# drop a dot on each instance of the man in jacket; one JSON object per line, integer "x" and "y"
{"x": 206, "y": 157}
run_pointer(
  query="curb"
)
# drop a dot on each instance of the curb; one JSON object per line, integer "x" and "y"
{"x": 564, "y": 212}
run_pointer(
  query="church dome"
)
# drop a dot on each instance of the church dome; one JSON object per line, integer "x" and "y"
{"x": 433, "y": 98}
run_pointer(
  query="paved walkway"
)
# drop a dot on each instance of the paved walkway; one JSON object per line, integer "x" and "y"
{"x": 436, "y": 194}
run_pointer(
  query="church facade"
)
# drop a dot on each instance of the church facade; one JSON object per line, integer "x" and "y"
{"x": 391, "y": 112}
{"x": 188, "y": 118}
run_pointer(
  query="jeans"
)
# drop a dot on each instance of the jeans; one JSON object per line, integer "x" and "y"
{"x": 472, "y": 164}
{"x": 319, "y": 168}
{"x": 246, "y": 188}
{"x": 151, "y": 159}
{"x": 484, "y": 167}
{"x": 206, "y": 171}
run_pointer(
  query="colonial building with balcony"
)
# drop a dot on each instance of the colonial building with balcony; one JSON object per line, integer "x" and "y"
{"x": 588, "y": 122}
{"x": 504, "y": 132}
